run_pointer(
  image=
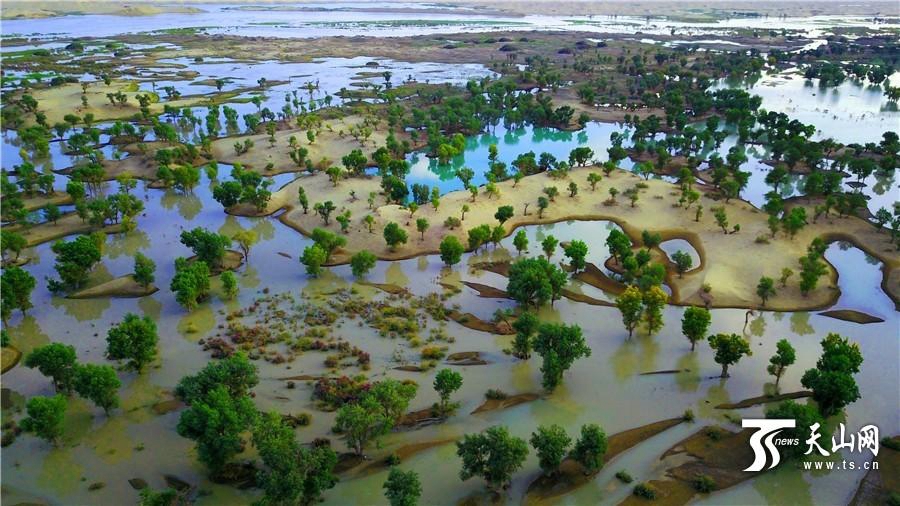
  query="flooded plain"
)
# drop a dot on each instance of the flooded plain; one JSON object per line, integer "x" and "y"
{"x": 609, "y": 388}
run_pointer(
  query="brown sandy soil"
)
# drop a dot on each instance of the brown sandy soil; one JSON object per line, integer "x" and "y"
{"x": 138, "y": 166}
{"x": 57, "y": 101}
{"x": 415, "y": 419}
{"x": 850, "y": 315}
{"x": 723, "y": 459}
{"x": 121, "y": 287}
{"x": 16, "y": 262}
{"x": 380, "y": 463}
{"x": 571, "y": 474}
{"x": 732, "y": 277}
{"x": 329, "y": 144}
{"x": 877, "y": 485}
{"x": 386, "y": 287}
{"x": 665, "y": 371}
{"x": 466, "y": 358}
{"x": 688, "y": 10}
{"x": 35, "y": 10}
{"x": 10, "y": 356}
{"x": 508, "y": 402}
{"x": 41, "y": 201}
{"x": 473, "y": 322}
{"x": 485, "y": 291}
{"x": 764, "y": 399}
{"x": 69, "y": 224}
{"x": 232, "y": 261}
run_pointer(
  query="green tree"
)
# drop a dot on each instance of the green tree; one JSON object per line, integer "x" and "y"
{"x": 794, "y": 220}
{"x": 293, "y": 474}
{"x": 832, "y": 380}
{"x": 229, "y": 285}
{"x": 46, "y": 416}
{"x": 590, "y": 447}
{"x": 313, "y": 257}
{"x": 765, "y": 289}
{"x": 362, "y": 262}
{"x": 549, "y": 246}
{"x": 328, "y": 241}
{"x": 695, "y": 323}
{"x": 236, "y": 373}
{"x": 520, "y": 241}
{"x": 209, "y": 247}
{"x": 551, "y": 444}
{"x": 150, "y": 497}
{"x": 655, "y": 299}
{"x": 190, "y": 283}
{"x": 683, "y": 262}
{"x": 393, "y": 398}
{"x": 215, "y": 422}
{"x": 56, "y": 361}
{"x": 526, "y": 325}
{"x": 134, "y": 339}
{"x": 52, "y": 213}
{"x": 559, "y": 346}
{"x": 394, "y": 235}
{"x": 12, "y": 241}
{"x": 577, "y": 252}
{"x": 535, "y": 281}
{"x": 721, "y": 218}
{"x": 503, "y": 214}
{"x": 99, "y": 384}
{"x": 245, "y": 240}
{"x": 478, "y": 236}
{"x": 729, "y": 348}
{"x": 593, "y": 178}
{"x": 422, "y": 226}
{"x": 783, "y": 357}
{"x": 402, "y": 488}
{"x": 361, "y": 422}
{"x": 631, "y": 304}
{"x": 144, "y": 270}
{"x": 445, "y": 383}
{"x": 16, "y": 285}
{"x": 805, "y": 416}
{"x": 493, "y": 455}
{"x": 74, "y": 261}
{"x": 451, "y": 250}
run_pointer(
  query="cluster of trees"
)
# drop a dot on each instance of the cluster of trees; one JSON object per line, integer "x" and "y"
{"x": 558, "y": 345}
{"x": 494, "y": 455}
{"x": 134, "y": 339}
{"x": 74, "y": 261}
{"x": 246, "y": 186}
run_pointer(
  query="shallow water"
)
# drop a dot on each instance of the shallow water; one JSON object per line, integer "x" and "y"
{"x": 606, "y": 388}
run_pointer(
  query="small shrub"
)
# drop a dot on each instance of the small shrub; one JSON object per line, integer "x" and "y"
{"x": 713, "y": 434}
{"x": 761, "y": 239}
{"x": 495, "y": 394}
{"x": 892, "y": 443}
{"x": 644, "y": 490}
{"x": 392, "y": 459}
{"x": 303, "y": 419}
{"x": 707, "y": 287}
{"x": 624, "y": 477}
{"x": 703, "y": 483}
{"x": 688, "y": 415}
{"x": 433, "y": 353}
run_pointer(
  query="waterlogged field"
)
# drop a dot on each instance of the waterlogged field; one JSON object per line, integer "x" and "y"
{"x": 410, "y": 315}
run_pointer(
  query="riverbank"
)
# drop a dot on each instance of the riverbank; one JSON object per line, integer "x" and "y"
{"x": 731, "y": 277}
